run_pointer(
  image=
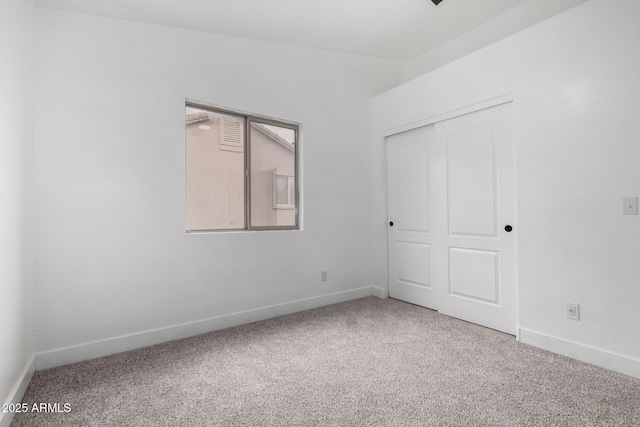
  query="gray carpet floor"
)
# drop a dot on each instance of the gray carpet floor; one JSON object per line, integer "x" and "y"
{"x": 365, "y": 362}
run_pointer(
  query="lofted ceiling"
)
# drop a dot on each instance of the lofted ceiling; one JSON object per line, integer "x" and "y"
{"x": 394, "y": 29}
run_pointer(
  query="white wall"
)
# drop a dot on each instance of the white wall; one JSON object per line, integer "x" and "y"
{"x": 522, "y": 16}
{"x": 576, "y": 84}
{"x": 16, "y": 350}
{"x": 113, "y": 257}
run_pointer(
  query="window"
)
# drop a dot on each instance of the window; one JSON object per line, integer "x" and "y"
{"x": 241, "y": 171}
{"x": 284, "y": 194}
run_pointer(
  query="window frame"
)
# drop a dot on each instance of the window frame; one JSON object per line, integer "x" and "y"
{"x": 250, "y": 118}
{"x": 288, "y": 206}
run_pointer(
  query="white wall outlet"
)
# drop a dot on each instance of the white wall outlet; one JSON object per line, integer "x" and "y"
{"x": 323, "y": 276}
{"x": 573, "y": 311}
{"x": 630, "y": 206}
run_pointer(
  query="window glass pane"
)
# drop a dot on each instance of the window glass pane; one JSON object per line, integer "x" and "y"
{"x": 292, "y": 190}
{"x": 282, "y": 190}
{"x": 215, "y": 145}
{"x": 273, "y": 164}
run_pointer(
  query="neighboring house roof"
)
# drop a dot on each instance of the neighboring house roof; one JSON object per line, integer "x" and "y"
{"x": 196, "y": 118}
{"x": 274, "y": 136}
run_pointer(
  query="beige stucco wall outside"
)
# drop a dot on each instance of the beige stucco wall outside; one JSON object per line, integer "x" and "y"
{"x": 210, "y": 165}
{"x": 269, "y": 157}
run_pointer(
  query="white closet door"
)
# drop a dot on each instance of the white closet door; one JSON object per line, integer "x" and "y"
{"x": 409, "y": 233}
{"x": 474, "y": 199}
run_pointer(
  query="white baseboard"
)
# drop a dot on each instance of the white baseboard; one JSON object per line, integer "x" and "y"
{"x": 95, "y": 349}
{"x": 18, "y": 390}
{"x": 379, "y": 292}
{"x": 605, "y": 359}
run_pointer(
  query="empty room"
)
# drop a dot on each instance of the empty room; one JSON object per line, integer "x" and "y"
{"x": 409, "y": 212}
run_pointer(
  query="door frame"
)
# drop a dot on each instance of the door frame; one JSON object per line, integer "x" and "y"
{"x": 471, "y": 108}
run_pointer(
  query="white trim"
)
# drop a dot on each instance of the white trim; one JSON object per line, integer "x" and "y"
{"x": 595, "y": 356}
{"x": 18, "y": 390}
{"x": 379, "y": 292}
{"x": 385, "y": 213}
{"x": 105, "y": 347}
{"x": 471, "y": 108}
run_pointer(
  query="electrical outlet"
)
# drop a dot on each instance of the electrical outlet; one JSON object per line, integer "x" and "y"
{"x": 323, "y": 276}
{"x": 573, "y": 311}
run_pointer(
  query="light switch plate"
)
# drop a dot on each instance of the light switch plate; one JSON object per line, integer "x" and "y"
{"x": 630, "y": 206}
